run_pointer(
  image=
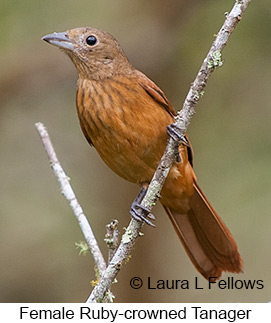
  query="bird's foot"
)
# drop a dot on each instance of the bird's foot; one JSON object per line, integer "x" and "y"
{"x": 175, "y": 132}
{"x": 140, "y": 212}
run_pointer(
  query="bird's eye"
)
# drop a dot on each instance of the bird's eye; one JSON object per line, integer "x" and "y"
{"x": 91, "y": 40}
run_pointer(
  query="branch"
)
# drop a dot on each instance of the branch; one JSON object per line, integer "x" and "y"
{"x": 68, "y": 193}
{"x": 210, "y": 63}
{"x": 112, "y": 238}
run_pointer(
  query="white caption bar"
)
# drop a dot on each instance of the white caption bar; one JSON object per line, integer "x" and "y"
{"x": 198, "y": 312}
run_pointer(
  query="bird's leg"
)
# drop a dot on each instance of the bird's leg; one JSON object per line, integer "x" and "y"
{"x": 140, "y": 212}
{"x": 175, "y": 132}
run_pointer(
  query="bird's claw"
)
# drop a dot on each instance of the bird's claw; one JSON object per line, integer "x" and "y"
{"x": 141, "y": 213}
{"x": 175, "y": 133}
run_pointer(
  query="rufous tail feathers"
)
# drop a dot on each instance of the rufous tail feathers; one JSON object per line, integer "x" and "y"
{"x": 206, "y": 239}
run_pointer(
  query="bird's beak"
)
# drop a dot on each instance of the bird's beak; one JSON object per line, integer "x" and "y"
{"x": 60, "y": 40}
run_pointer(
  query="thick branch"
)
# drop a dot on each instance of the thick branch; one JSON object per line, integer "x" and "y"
{"x": 210, "y": 63}
{"x": 68, "y": 193}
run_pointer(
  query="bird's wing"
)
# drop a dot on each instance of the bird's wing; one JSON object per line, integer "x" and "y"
{"x": 159, "y": 96}
{"x": 155, "y": 92}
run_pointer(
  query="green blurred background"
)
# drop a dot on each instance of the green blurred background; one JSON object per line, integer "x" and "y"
{"x": 230, "y": 134}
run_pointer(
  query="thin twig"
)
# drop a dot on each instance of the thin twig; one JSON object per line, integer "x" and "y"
{"x": 112, "y": 238}
{"x": 210, "y": 63}
{"x": 68, "y": 193}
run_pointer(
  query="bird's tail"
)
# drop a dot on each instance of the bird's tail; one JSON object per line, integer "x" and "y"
{"x": 206, "y": 239}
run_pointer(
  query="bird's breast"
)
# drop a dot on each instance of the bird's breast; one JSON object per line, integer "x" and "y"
{"x": 125, "y": 125}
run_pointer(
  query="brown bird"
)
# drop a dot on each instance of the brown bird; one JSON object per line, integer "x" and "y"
{"x": 126, "y": 117}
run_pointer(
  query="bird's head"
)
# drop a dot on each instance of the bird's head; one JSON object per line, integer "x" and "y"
{"x": 95, "y": 53}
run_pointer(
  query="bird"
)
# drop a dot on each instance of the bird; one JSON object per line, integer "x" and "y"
{"x": 128, "y": 119}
